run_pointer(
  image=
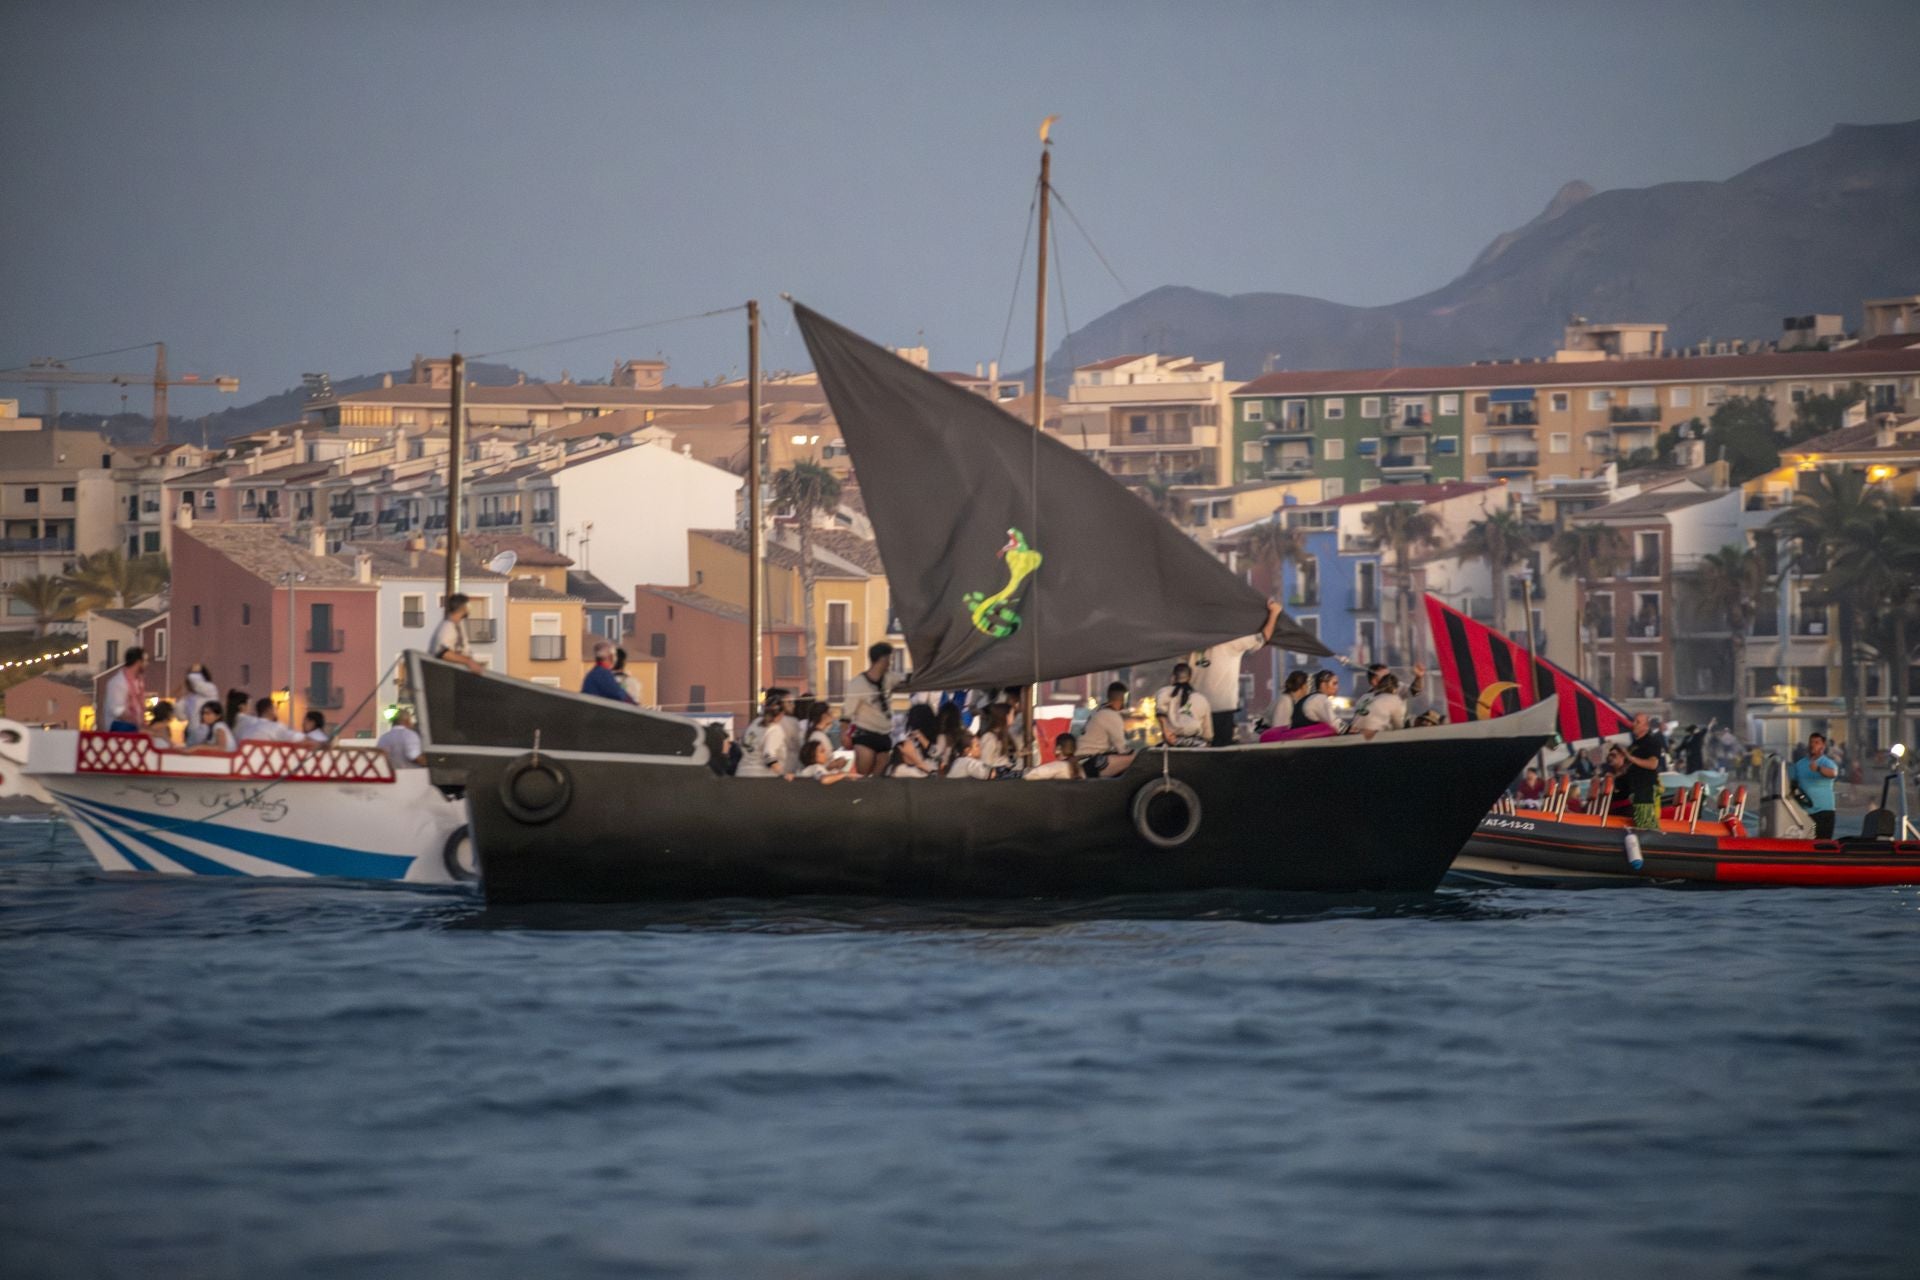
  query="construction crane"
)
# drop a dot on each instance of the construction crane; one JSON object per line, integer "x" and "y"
{"x": 52, "y": 374}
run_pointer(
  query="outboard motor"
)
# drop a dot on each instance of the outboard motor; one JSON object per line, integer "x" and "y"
{"x": 1780, "y": 817}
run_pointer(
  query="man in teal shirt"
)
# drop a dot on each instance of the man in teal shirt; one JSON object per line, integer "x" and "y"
{"x": 1814, "y": 773}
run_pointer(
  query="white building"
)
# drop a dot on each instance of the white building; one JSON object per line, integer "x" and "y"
{"x": 625, "y": 513}
{"x": 411, "y": 584}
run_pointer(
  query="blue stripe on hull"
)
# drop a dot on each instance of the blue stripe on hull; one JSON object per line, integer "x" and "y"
{"x": 309, "y": 856}
{"x": 119, "y": 846}
{"x": 198, "y": 863}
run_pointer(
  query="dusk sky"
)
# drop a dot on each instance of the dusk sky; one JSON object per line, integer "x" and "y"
{"x": 275, "y": 188}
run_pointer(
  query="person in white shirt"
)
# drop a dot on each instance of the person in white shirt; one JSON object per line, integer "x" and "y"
{"x": 796, "y": 733}
{"x": 1280, "y": 715}
{"x": 402, "y": 743}
{"x": 1217, "y": 675}
{"x": 1103, "y": 742}
{"x": 315, "y": 726}
{"x": 449, "y": 641}
{"x": 160, "y": 725}
{"x": 998, "y": 749}
{"x": 870, "y": 710}
{"x": 1186, "y": 717}
{"x": 125, "y": 706}
{"x": 1317, "y": 707}
{"x": 1063, "y": 764}
{"x": 199, "y": 690}
{"x": 212, "y": 733}
{"x": 264, "y": 725}
{"x": 764, "y": 751}
{"x": 1380, "y": 708}
{"x": 968, "y": 764}
{"x": 815, "y": 768}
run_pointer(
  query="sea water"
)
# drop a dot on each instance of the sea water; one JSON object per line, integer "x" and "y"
{"x": 228, "y": 1078}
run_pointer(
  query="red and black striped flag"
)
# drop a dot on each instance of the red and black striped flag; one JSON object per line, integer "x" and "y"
{"x": 1488, "y": 675}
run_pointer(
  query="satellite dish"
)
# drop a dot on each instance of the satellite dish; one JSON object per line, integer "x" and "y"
{"x": 503, "y": 563}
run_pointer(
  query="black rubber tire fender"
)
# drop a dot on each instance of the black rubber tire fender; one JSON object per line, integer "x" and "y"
{"x": 450, "y": 855}
{"x": 549, "y": 798}
{"x": 1143, "y": 802}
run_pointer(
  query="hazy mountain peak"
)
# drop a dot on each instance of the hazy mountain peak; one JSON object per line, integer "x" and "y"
{"x": 1569, "y": 195}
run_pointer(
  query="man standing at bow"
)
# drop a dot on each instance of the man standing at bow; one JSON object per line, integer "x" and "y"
{"x": 1216, "y": 675}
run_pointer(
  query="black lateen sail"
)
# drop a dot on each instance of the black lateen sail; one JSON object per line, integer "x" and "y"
{"x": 992, "y": 587}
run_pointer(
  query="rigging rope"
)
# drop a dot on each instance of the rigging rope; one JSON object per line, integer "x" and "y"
{"x": 1090, "y": 244}
{"x": 608, "y": 333}
{"x": 1019, "y": 271}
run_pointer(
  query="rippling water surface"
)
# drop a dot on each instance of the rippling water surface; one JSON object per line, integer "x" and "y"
{"x": 241, "y": 1079}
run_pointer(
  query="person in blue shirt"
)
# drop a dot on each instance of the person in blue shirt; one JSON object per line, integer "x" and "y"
{"x": 1814, "y": 774}
{"x": 600, "y": 681}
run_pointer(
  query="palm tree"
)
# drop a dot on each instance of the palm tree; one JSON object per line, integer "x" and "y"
{"x": 50, "y": 598}
{"x": 1272, "y": 545}
{"x": 1836, "y": 518}
{"x": 1403, "y": 528}
{"x": 1503, "y": 540}
{"x": 108, "y": 576}
{"x": 806, "y": 489}
{"x": 1588, "y": 554}
{"x": 1733, "y": 587}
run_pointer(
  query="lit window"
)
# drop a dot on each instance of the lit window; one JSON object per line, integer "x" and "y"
{"x": 1559, "y": 402}
{"x": 1256, "y": 411}
{"x": 1331, "y": 409}
{"x": 1449, "y": 405}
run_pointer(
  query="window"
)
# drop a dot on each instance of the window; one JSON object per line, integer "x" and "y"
{"x": 113, "y": 651}
{"x": 246, "y": 615}
{"x": 1333, "y": 409}
{"x": 1366, "y": 485}
{"x": 413, "y": 611}
{"x": 1716, "y": 396}
{"x": 1256, "y": 411}
{"x": 1368, "y": 447}
{"x": 1603, "y": 673}
{"x": 66, "y": 493}
{"x": 1599, "y": 398}
{"x": 1558, "y": 401}
{"x": 1334, "y": 450}
{"x": 246, "y": 674}
{"x": 1370, "y": 406}
{"x": 697, "y": 698}
{"x": 657, "y": 644}
{"x": 30, "y": 494}
{"x": 837, "y": 669}
{"x": 1250, "y": 451}
{"x": 206, "y": 501}
{"x": 196, "y": 615}
{"x": 1446, "y": 444}
{"x": 840, "y": 632}
{"x": 1559, "y": 442}
{"x": 160, "y": 644}
{"x": 1600, "y": 614}
{"x": 1368, "y": 640}
{"x": 1332, "y": 489}
{"x": 150, "y": 542}
{"x": 1646, "y": 616}
{"x": 1479, "y": 404}
{"x": 1646, "y": 555}
{"x": 1646, "y": 675}
{"x": 546, "y": 643}
{"x": 1137, "y": 424}
{"x": 1449, "y": 405}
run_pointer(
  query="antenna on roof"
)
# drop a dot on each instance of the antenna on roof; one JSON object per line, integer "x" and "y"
{"x": 503, "y": 563}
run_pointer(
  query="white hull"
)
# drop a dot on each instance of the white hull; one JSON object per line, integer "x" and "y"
{"x": 171, "y": 814}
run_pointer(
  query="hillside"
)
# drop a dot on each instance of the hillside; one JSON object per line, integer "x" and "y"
{"x": 1815, "y": 229}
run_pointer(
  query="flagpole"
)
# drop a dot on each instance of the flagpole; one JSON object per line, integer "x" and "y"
{"x": 1039, "y": 420}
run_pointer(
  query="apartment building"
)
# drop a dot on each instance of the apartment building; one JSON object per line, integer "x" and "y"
{"x": 1529, "y": 421}
{"x": 1153, "y": 418}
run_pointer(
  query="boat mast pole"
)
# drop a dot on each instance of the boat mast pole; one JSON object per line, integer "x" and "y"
{"x": 456, "y": 446}
{"x": 756, "y": 568}
{"x": 1039, "y": 416}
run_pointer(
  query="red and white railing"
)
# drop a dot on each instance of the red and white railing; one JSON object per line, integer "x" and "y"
{"x": 136, "y": 754}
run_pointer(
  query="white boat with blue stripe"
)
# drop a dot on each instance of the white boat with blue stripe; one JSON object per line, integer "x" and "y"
{"x": 269, "y": 809}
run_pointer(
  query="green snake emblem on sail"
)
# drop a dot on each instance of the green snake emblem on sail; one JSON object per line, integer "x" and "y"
{"x": 994, "y": 615}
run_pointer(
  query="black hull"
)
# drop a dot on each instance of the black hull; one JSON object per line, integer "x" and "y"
{"x": 1333, "y": 815}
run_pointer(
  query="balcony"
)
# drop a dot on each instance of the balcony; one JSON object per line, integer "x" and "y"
{"x": 1622, "y": 415}
{"x": 1513, "y": 461}
{"x": 36, "y": 544}
{"x": 1167, "y": 438}
{"x": 1813, "y": 624}
{"x": 498, "y": 520}
{"x": 1644, "y": 629}
{"x": 1647, "y": 568}
{"x": 843, "y": 635}
{"x": 1284, "y": 468}
{"x": 1412, "y": 420}
{"x": 543, "y": 515}
{"x": 1367, "y": 601}
{"x": 484, "y": 631}
{"x": 1288, "y": 427}
{"x": 340, "y": 511}
{"x": 1404, "y": 462}
{"x": 326, "y": 641}
{"x": 1304, "y": 598}
{"x": 325, "y": 698}
{"x": 1513, "y": 416}
{"x": 546, "y": 648}
{"x": 362, "y": 518}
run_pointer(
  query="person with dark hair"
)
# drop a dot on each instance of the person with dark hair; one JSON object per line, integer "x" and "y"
{"x": 1186, "y": 717}
{"x": 1814, "y": 773}
{"x": 212, "y": 733}
{"x": 1317, "y": 707}
{"x": 948, "y": 726}
{"x": 264, "y": 724}
{"x": 764, "y": 753}
{"x": 1381, "y": 707}
{"x": 237, "y": 701}
{"x": 197, "y": 688}
{"x": 1063, "y": 765}
{"x": 998, "y": 750}
{"x": 1103, "y": 744}
{"x": 160, "y": 725}
{"x": 449, "y": 642}
{"x": 124, "y": 707}
{"x": 314, "y": 729}
{"x": 967, "y": 765}
{"x": 628, "y": 681}
{"x": 870, "y": 710}
{"x": 1280, "y": 715}
{"x": 913, "y": 754}
{"x": 815, "y": 764}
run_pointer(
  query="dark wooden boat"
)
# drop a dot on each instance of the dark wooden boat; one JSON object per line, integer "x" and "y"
{"x": 1552, "y": 848}
{"x": 579, "y": 799}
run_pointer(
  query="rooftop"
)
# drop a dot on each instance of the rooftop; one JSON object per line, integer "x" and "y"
{"x": 267, "y": 555}
{"x": 527, "y": 551}
{"x": 397, "y": 560}
{"x": 1422, "y": 493}
{"x": 585, "y": 586}
{"x": 131, "y": 617}
{"x": 531, "y": 589}
{"x": 1850, "y": 363}
{"x": 695, "y": 600}
{"x": 1657, "y": 503}
{"x": 781, "y": 555}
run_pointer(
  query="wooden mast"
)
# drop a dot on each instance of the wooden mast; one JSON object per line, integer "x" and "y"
{"x": 1039, "y": 412}
{"x": 756, "y": 568}
{"x": 456, "y": 446}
